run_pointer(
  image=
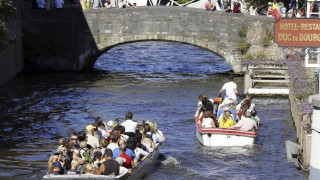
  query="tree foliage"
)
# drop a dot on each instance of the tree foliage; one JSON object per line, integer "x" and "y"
{"x": 6, "y": 10}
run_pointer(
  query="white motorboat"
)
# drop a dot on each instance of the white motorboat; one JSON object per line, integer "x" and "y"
{"x": 224, "y": 137}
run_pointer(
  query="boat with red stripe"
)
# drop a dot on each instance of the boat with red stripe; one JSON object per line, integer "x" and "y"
{"x": 224, "y": 136}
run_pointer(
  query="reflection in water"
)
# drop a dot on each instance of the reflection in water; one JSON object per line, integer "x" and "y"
{"x": 157, "y": 81}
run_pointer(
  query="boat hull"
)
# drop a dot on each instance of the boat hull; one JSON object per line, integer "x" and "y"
{"x": 224, "y": 137}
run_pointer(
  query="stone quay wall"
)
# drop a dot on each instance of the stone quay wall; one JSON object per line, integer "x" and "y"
{"x": 88, "y": 34}
{"x": 11, "y": 58}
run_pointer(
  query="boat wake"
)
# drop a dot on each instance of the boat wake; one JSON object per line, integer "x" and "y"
{"x": 170, "y": 161}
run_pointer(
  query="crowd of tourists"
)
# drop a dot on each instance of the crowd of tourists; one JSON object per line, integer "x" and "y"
{"x": 103, "y": 151}
{"x": 84, "y": 4}
{"x": 228, "y": 113}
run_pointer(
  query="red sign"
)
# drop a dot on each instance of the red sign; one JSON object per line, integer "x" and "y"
{"x": 297, "y": 32}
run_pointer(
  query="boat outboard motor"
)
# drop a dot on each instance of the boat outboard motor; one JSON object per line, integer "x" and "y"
{"x": 294, "y": 152}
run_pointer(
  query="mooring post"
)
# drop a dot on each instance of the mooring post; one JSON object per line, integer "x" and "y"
{"x": 315, "y": 145}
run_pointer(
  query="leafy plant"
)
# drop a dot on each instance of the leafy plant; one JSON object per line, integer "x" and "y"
{"x": 249, "y": 57}
{"x": 242, "y": 32}
{"x": 267, "y": 39}
{"x": 261, "y": 55}
{"x": 243, "y": 46}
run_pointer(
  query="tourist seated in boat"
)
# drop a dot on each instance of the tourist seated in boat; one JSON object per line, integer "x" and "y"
{"x": 76, "y": 155}
{"x": 207, "y": 121}
{"x": 74, "y": 139}
{"x": 121, "y": 131}
{"x": 63, "y": 141}
{"x": 63, "y": 156}
{"x": 226, "y": 120}
{"x": 122, "y": 170}
{"x": 114, "y": 141}
{"x": 246, "y": 123}
{"x": 155, "y": 134}
{"x": 255, "y": 117}
{"x": 53, "y": 158}
{"x": 81, "y": 136}
{"x": 74, "y": 167}
{"x": 130, "y": 125}
{"x": 243, "y": 109}
{"x": 201, "y": 96}
{"x": 116, "y": 151}
{"x": 147, "y": 142}
{"x": 109, "y": 166}
{"x": 206, "y": 106}
{"x": 88, "y": 169}
{"x": 226, "y": 108}
{"x": 103, "y": 130}
{"x": 139, "y": 151}
{"x": 83, "y": 149}
{"x": 92, "y": 140}
{"x": 129, "y": 162}
{"x": 242, "y": 99}
{"x": 57, "y": 168}
{"x": 103, "y": 144}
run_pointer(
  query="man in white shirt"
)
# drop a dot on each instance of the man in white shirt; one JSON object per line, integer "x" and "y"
{"x": 130, "y": 125}
{"x": 92, "y": 140}
{"x": 230, "y": 88}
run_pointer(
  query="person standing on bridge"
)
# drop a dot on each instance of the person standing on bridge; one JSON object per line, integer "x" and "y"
{"x": 208, "y": 6}
{"x": 95, "y": 4}
{"x": 231, "y": 89}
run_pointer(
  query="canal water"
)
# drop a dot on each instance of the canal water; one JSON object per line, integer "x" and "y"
{"x": 157, "y": 81}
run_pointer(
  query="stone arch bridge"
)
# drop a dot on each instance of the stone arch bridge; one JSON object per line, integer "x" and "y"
{"x": 88, "y": 34}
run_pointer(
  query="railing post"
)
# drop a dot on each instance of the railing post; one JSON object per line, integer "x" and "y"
{"x": 315, "y": 145}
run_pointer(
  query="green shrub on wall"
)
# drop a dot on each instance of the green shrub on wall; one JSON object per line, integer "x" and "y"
{"x": 242, "y": 32}
{"x": 267, "y": 40}
{"x": 243, "y": 46}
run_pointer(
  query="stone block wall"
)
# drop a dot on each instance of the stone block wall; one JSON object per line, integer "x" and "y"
{"x": 11, "y": 58}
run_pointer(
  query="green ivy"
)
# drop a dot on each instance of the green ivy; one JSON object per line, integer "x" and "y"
{"x": 242, "y": 32}
{"x": 243, "y": 46}
{"x": 267, "y": 40}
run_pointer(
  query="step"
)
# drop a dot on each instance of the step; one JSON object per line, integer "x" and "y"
{"x": 270, "y": 80}
{"x": 269, "y": 76}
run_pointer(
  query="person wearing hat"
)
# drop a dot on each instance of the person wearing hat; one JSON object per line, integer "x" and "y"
{"x": 92, "y": 140}
{"x": 57, "y": 170}
{"x": 230, "y": 88}
{"x": 123, "y": 170}
{"x": 109, "y": 166}
{"x": 270, "y": 10}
